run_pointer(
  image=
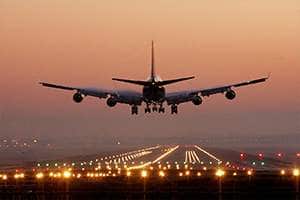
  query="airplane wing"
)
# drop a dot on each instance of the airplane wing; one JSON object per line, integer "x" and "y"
{"x": 186, "y": 96}
{"x": 119, "y": 96}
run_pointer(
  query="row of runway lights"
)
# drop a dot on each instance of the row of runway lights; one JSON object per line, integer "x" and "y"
{"x": 167, "y": 165}
{"x": 261, "y": 155}
{"x": 125, "y": 158}
{"x": 116, "y": 164}
{"x": 67, "y": 174}
{"x": 116, "y": 159}
{"x": 131, "y": 156}
{"x": 128, "y": 157}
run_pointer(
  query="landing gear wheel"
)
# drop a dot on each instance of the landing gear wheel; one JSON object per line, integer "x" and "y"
{"x": 174, "y": 109}
{"x": 134, "y": 110}
{"x": 161, "y": 110}
{"x": 154, "y": 108}
{"x": 147, "y": 110}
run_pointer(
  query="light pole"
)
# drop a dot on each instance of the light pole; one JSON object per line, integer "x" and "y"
{"x": 234, "y": 174}
{"x": 220, "y": 173}
{"x": 39, "y": 176}
{"x": 144, "y": 175}
{"x": 296, "y": 173}
{"x": 128, "y": 174}
{"x": 67, "y": 175}
{"x": 249, "y": 173}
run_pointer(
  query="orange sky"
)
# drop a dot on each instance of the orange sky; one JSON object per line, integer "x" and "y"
{"x": 87, "y": 42}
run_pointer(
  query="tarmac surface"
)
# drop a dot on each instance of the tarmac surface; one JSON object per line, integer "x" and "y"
{"x": 155, "y": 172}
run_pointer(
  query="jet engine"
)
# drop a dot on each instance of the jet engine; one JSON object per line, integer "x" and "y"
{"x": 197, "y": 100}
{"x": 78, "y": 97}
{"x": 230, "y": 94}
{"x": 111, "y": 101}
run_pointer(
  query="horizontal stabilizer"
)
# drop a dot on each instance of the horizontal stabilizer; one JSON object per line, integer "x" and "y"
{"x": 136, "y": 82}
{"x": 148, "y": 83}
{"x": 56, "y": 86}
{"x": 251, "y": 82}
{"x": 166, "y": 82}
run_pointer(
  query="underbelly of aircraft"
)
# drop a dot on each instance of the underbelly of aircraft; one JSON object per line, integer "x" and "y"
{"x": 153, "y": 94}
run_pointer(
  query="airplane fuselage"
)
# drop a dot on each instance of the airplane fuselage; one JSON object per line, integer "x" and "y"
{"x": 154, "y": 93}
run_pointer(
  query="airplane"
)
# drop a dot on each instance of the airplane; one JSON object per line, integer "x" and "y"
{"x": 153, "y": 93}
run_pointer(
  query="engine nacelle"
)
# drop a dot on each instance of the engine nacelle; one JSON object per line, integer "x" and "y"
{"x": 197, "y": 100}
{"x": 230, "y": 94}
{"x": 111, "y": 101}
{"x": 78, "y": 97}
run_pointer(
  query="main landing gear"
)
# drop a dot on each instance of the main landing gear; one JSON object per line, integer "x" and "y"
{"x": 159, "y": 109}
{"x": 147, "y": 110}
{"x": 155, "y": 108}
{"x": 134, "y": 110}
{"x": 174, "y": 109}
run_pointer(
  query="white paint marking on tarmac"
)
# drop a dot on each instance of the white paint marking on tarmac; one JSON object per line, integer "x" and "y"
{"x": 209, "y": 154}
{"x": 192, "y": 156}
{"x": 185, "y": 159}
{"x": 196, "y": 156}
{"x": 155, "y": 161}
{"x": 165, "y": 154}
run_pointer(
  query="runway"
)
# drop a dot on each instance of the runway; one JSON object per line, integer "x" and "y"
{"x": 154, "y": 172}
{"x": 192, "y": 156}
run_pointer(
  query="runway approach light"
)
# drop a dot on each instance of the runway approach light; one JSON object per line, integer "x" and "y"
{"x": 39, "y": 175}
{"x": 67, "y": 174}
{"x": 249, "y": 173}
{"x": 128, "y": 173}
{"x": 220, "y": 173}
{"x": 282, "y": 172}
{"x": 242, "y": 155}
{"x": 279, "y": 155}
{"x": 4, "y": 177}
{"x": 144, "y": 173}
{"x": 161, "y": 173}
{"x": 17, "y": 176}
{"x": 187, "y": 173}
{"x": 296, "y": 172}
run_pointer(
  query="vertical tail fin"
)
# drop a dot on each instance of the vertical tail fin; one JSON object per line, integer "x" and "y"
{"x": 152, "y": 61}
